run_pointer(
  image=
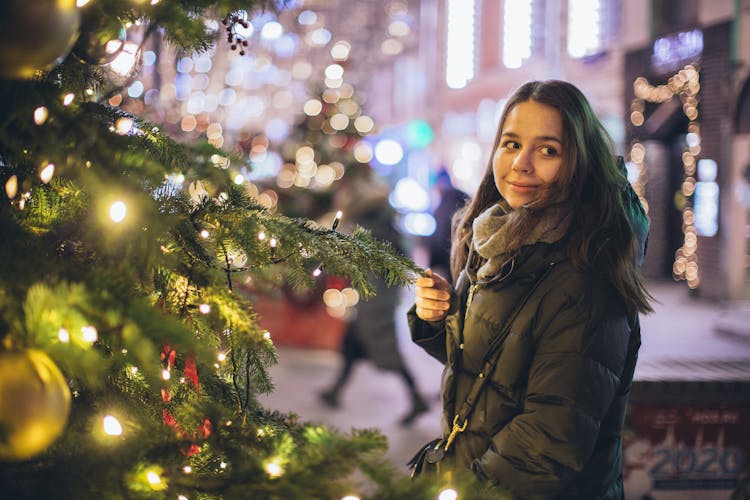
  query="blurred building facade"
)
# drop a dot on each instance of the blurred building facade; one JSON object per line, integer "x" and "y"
{"x": 665, "y": 76}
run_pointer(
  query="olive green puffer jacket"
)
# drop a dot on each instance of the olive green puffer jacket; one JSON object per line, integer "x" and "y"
{"x": 548, "y": 422}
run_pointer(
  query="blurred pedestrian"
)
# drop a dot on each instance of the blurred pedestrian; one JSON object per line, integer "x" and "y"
{"x": 439, "y": 242}
{"x": 371, "y": 334}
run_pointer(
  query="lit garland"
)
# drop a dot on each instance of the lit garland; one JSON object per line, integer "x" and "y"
{"x": 684, "y": 84}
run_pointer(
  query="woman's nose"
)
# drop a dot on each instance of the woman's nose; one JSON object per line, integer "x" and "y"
{"x": 522, "y": 162}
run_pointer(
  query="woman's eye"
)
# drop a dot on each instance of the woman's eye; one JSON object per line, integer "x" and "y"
{"x": 511, "y": 145}
{"x": 549, "y": 151}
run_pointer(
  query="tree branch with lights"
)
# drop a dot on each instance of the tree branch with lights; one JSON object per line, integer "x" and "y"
{"x": 129, "y": 366}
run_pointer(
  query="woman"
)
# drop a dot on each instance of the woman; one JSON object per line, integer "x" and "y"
{"x": 546, "y": 257}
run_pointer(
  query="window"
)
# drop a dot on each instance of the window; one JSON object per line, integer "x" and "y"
{"x": 459, "y": 54}
{"x": 591, "y": 25}
{"x": 523, "y": 31}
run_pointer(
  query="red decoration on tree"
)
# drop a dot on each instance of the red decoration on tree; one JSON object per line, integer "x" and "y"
{"x": 235, "y": 37}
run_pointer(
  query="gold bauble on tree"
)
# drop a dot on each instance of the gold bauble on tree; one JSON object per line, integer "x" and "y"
{"x": 35, "y": 35}
{"x": 34, "y": 403}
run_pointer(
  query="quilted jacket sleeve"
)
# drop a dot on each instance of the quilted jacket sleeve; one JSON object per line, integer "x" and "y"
{"x": 430, "y": 336}
{"x": 573, "y": 378}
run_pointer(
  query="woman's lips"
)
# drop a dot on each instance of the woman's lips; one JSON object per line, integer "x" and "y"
{"x": 523, "y": 188}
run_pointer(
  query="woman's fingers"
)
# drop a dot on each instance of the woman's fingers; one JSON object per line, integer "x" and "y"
{"x": 433, "y": 293}
{"x": 433, "y": 296}
{"x": 439, "y": 305}
{"x": 430, "y": 314}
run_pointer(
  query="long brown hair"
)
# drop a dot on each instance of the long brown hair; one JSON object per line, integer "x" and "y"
{"x": 608, "y": 222}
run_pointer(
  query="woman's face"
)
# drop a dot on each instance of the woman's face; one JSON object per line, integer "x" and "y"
{"x": 530, "y": 153}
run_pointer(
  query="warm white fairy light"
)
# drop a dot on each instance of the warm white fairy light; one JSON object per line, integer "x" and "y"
{"x": 204, "y": 308}
{"x": 180, "y": 497}
{"x": 221, "y": 357}
{"x": 81, "y": 3}
{"x": 340, "y": 50}
{"x": 47, "y": 172}
{"x": 89, "y": 333}
{"x": 11, "y": 186}
{"x": 165, "y": 374}
{"x": 187, "y": 469}
{"x": 204, "y": 234}
{"x": 262, "y": 235}
{"x": 153, "y": 478}
{"x": 112, "y": 426}
{"x": 684, "y": 84}
{"x": 133, "y": 370}
{"x": 350, "y": 497}
{"x": 448, "y": 494}
{"x": 68, "y": 98}
{"x": 40, "y": 115}
{"x": 337, "y": 219}
{"x": 364, "y": 124}
{"x": 117, "y": 211}
{"x": 123, "y": 125}
{"x": 223, "y": 465}
{"x": 63, "y": 335}
{"x": 274, "y": 469}
{"x": 125, "y": 61}
{"x": 317, "y": 272}
{"x": 273, "y": 242}
{"x": 267, "y": 335}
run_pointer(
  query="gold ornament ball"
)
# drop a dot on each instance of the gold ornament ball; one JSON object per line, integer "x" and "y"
{"x": 34, "y": 403}
{"x": 35, "y": 35}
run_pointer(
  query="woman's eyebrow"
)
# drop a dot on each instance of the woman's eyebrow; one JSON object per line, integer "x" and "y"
{"x": 538, "y": 138}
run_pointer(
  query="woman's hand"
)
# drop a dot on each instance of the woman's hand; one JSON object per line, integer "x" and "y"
{"x": 433, "y": 297}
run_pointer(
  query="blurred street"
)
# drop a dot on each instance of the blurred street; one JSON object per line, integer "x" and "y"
{"x": 686, "y": 339}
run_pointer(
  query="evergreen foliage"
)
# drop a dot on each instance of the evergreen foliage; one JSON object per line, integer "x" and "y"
{"x": 143, "y": 284}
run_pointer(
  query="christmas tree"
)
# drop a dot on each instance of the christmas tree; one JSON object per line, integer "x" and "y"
{"x": 129, "y": 367}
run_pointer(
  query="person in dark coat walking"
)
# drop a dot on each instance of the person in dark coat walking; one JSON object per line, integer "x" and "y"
{"x": 439, "y": 242}
{"x": 547, "y": 262}
{"x": 371, "y": 334}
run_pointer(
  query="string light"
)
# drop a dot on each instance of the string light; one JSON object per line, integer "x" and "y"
{"x": 11, "y": 186}
{"x": 48, "y": 170}
{"x": 221, "y": 357}
{"x": 153, "y": 478}
{"x": 204, "y": 234}
{"x": 274, "y": 469}
{"x": 204, "y": 308}
{"x": 40, "y": 115}
{"x": 684, "y": 84}
{"x": 187, "y": 469}
{"x": 117, "y": 211}
{"x": 261, "y": 236}
{"x": 266, "y": 335}
{"x": 336, "y": 220}
{"x": 123, "y": 126}
{"x": 68, "y": 98}
{"x": 63, "y": 335}
{"x": 89, "y": 333}
{"x": 165, "y": 374}
{"x": 448, "y": 494}
{"x": 112, "y": 426}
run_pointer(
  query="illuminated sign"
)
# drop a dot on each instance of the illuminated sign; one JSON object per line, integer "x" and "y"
{"x": 672, "y": 52}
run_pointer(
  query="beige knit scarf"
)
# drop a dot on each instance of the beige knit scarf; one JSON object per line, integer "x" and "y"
{"x": 493, "y": 227}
